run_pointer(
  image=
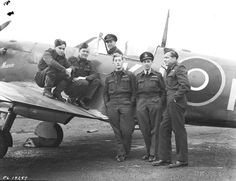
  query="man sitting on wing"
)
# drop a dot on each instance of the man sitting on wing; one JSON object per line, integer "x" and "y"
{"x": 85, "y": 82}
{"x": 54, "y": 71}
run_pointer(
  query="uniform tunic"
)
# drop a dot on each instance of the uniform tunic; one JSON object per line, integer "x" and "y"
{"x": 52, "y": 70}
{"x": 83, "y": 88}
{"x": 150, "y": 99}
{"x": 119, "y": 99}
{"x": 177, "y": 85}
{"x": 114, "y": 50}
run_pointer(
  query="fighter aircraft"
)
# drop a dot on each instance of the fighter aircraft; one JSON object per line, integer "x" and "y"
{"x": 211, "y": 99}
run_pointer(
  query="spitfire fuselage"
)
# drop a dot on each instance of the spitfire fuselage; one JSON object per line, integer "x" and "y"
{"x": 213, "y": 80}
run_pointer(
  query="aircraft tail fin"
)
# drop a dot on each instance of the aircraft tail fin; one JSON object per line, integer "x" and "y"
{"x": 164, "y": 37}
{"x": 87, "y": 41}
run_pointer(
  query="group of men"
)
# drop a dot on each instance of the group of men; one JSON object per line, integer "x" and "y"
{"x": 158, "y": 102}
{"x": 75, "y": 76}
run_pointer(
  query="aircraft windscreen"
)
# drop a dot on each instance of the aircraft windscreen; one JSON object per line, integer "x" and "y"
{"x": 131, "y": 48}
{"x": 97, "y": 46}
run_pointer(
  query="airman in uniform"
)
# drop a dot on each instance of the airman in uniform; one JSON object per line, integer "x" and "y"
{"x": 150, "y": 99}
{"x": 110, "y": 40}
{"x": 85, "y": 79}
{"x": 177, "y": 85}
{"x": 119, "y": 99}
{"x": 54, "y": 71}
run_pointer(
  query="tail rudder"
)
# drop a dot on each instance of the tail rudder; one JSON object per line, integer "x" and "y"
{"x": 164, "y": 37}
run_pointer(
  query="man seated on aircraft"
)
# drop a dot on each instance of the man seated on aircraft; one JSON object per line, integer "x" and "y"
{"x": 119, "y": 99}
{"x": 177, "y": 85}
{"x": 111, "y": 40}
{"x": 54, "y": 71}
{"x": 85, "y": 82}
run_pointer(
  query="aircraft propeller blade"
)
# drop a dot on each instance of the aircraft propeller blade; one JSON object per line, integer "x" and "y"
{"x": 164, "y": 37}
{"x": 4, "y": 25}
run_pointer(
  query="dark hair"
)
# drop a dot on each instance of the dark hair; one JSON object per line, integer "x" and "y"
{"x": 117, "y": 55}
{"x": 59, "y": 42}
{"x": 173, "y": 53}
{"x": 84, "y": 45}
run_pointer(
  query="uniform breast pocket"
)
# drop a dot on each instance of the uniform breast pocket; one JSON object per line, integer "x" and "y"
{"x": 87, "y": 68}
{"x": 80, "y": 69}
{"x": 125, "y": 83}
{"x": 172, "y": 80}
{"x": 140, "y": 84}
{"x": 153, "y": 83}
{"x": 111, "y": 86}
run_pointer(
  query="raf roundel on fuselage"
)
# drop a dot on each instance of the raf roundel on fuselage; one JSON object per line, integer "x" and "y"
{"x": 207, "y": 79}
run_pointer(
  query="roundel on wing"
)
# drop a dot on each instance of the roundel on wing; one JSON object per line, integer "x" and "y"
{"x": 207, "y": 80}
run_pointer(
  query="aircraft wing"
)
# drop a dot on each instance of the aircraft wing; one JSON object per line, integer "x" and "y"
{"x": 26, "y": 99}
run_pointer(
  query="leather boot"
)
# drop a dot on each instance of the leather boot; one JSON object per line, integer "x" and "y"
{"x": 58, "y": 90}
{"x": 82, "y": 104}
{"x": 47, "y": 93}
{"x": 58, "y": 96}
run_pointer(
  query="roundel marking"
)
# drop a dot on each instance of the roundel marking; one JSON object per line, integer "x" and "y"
{"x": 198, "y": 79}
{"x": 207, "y": 79}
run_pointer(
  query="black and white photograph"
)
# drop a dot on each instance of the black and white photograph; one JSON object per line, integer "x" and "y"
{"x": 112, "y": 90}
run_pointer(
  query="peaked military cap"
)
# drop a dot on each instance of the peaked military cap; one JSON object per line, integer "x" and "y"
{"x": 146, "y": 56}
{"x": 110, "y": 37}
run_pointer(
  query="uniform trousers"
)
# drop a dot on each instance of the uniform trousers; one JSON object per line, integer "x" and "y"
{"x": 121, "y": 117}
{"x": 82, "y": 88}
{"x": 55, "y": 78}
{"x": 149, "y": 112}
{"x": 173, "y": 119}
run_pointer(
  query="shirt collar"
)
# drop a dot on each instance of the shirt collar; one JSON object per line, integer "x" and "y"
{"x": 172, "y": 66}
{"x": 112, "y": 50}
{"x": 82, "y": 60}
{"x": 114, "y": 72}
{"x": 147, "y": 72}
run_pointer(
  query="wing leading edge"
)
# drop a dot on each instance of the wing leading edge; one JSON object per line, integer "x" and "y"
{"x": 29, "y": 102}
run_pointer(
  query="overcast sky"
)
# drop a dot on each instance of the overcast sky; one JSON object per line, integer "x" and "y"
{"x": 202, "y": 26}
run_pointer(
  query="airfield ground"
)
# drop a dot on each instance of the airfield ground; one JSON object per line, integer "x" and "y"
{"x": 90, "y": 156}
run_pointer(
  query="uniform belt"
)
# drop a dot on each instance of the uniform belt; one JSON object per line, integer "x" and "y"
{"x": 170, "y": 92}
{"x": 125, "y": 96}
{"x": 148, "y": 95}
